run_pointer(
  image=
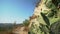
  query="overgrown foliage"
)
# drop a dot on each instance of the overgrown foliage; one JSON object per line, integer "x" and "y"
{"x": 48, "y": 23}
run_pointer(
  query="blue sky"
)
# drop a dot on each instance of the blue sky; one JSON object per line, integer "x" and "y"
{"x": 16, "y": 10}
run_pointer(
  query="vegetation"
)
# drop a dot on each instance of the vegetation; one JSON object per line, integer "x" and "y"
{"x": 48, "y": 23}
{"x": 26, "y": 22}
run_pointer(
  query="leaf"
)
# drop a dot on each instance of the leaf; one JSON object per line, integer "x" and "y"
{"x": 45, "y": 19}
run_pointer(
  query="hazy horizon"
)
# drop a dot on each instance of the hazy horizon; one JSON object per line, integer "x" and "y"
{"x": 16, "y": 10}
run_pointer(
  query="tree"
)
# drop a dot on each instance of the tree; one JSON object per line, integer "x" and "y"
{"x": 26, "y": 22}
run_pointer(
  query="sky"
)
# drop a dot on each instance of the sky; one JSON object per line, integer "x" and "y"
{"x": 16, "y": 10}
